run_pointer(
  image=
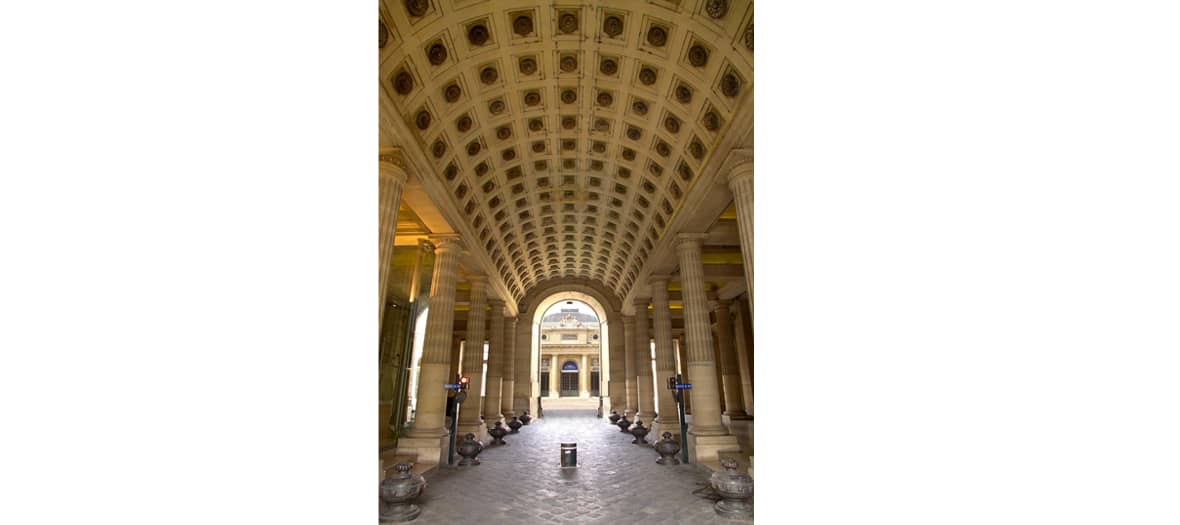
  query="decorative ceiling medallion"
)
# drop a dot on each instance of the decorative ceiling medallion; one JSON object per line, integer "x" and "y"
{"x": 731, "y": 85}
{"x": 488, "y": 75}
{"x": 633, "y": 133}
{"x": 478, "y": 34}
{"x": 522, "y": 25}
{"x": 748, "y": 36}
{"x": 608, "y": 66}
{"x": 596, "y": 165}
{"x": 451, "y": 172}
{"x": 716, "y": 8}
{"x": 628, "y": 154}
{"x": 601, "y": 125}
{"x": 624, "y": 173}
{"x": 417, "y": 7}
{"x": 439, "y": 149}
{"x": 647, "y": 75}
{"x": 540, "y": 165}
{"x": 685, "y": 172}
{"x": 598, "y": 147}
{"x": 538, "y": 147}
{"x": 639, "y": 107}
{"x": 605, "y": 99}
{"x": 463, "y": 123}
{"x": 568, "y": 164}
{"x": 437, "y": 54}
{"x": 696, "y": 149}
{"x": 536, "y": 124}
{"x": 532, "y": 98}
{"x": 567, "y": 23}
{"x": 452, "y": 92}
{"x": 569, "y": 63}
{"x": 712, "y": 121}
{"x": 508, "y": 154}
{"x": 656, "y": 170}
{"x": 657, "y": 36}
{"x": 672, "y": 124}
{"x": 698, "y": 55}
{"x": 422, "y": 120}
{"x": 663, "y": 149}
{"x": 481, "y": 169}
{"x": 569, "y": 96}
{"x": 473, "y": 148}
{"x": 568, "y": 122}
{"x": 403, "y": 83}
{"x": 568, "y": 145}
{"x": 683, "y": 93}
{"x": 382, "y": 35}
{"x": 612, "y": 26}
{"x": 528, "y": 65}
{"x": 503, "y": 132}
{"x": 496, "y": 107}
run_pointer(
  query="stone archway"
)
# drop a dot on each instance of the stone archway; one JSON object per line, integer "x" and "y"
{"x": 532, "y": 308}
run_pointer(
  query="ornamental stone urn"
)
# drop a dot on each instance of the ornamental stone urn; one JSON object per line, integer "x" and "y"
{"x": 639, "y": 431}
{"x": 735, "y": 488}
{"x": 667, "y": 448}
{"x": 623, "y": 424}
{"x": 398, "y": 492}
{"x": 515, "y": 425}
{"x": 469, "y": 448}
{"x": 525, "y": 417}
{"x": 498, "y": 432}
{"x": 614, "y": 417}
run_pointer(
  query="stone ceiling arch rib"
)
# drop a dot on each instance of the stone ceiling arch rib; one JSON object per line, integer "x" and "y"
{"x": 566, "y": 135}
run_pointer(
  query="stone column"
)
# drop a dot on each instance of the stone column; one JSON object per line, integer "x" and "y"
{"x": 617, "y": 344}
{"x": 471, "y": 410}
{"x": 554, "y": 376}
{"x": 731, "y": 380}
{"x": 744, "y": 343}
{"x": 665, "y": 353}
{"x": 508, "y": 385}
{"x": 643, "y": 377}
{"x": 391, "y": 169}
{"x": 629, "y": 367}
{"x": 741, "y": 183}
{"x": 491, "y": 412}
{"x": 523, "y": 389}
{"x": 707, "y": 432}
{"x": 456, "y": 355}
{"x": 428, "y": 437}
{"x": 584, "y": 377}
{"x": 683, "y": 354}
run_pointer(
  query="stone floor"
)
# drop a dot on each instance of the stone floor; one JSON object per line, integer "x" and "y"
{"x": 522, "y": 482}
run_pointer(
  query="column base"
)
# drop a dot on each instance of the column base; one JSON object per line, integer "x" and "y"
{"x": 737, "y": 414}
{"x": 704, "y": 448}
{"x": 430, "y": 446}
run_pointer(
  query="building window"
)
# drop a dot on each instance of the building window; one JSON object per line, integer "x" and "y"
{"x": 569, "y": 337}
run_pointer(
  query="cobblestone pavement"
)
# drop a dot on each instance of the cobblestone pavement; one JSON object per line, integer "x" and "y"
{"x": 522, "y": 482}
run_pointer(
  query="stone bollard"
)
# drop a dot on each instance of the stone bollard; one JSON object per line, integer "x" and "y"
{"x": 569, "y": 455}
{"x": 667, "y": 448}
{"x": 515, "y": 425}
{"x": 497, "y": 433}
{"x": 614, "y": 417}
{"x": 735, "y": 489}
{"x": 525, "y": 418}
{"x": 398, "y": 493}
{"x": 469, "y": 449}
{"x": 623, "y": 425}
{"x": 639, "y": 431}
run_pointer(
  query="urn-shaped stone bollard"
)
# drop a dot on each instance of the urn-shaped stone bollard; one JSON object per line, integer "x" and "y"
{"x": 525, "y": 417}
{"x": 624, "y": 425}
{"x": 469, "y": 448}
{"x": 515, "y": 425}
{"x": 735, "y": 488}
{"x": 667, "y": 448}
{"x": 498, "y": 432}
{"x": 614, "y": 417}
{"x": 639, "y": 431}
{"x": 398, "y": 492}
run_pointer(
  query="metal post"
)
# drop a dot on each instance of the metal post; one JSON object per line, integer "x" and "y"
{"x": 683, "y": 424}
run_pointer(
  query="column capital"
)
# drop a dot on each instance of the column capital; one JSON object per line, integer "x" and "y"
{"x": 739, "y": 165}
{"x": 690, "y": 239}
{"x": 446, "y": 242}
{"x": 656, "y": 279}
{"x": 628, "y": 319}
{"x": 392, "y": 162}
{"x": 640, "y": 302}
{"x": 478, "y": 279}
{"x": 496, "y": 302}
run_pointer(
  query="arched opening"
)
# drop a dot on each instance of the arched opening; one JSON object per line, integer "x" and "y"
{"x": 570, "y": 348}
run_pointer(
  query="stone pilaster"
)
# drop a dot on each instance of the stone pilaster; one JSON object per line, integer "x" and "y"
{"x": 495, "y": 378}
{"x": 643, "y": 378}
{"x": 709, "y": 436}
{"x": 472, "y": 409}
{"x": 629, "y": 367}
{"x": 523, "y": 389}
{"x": 731, "y": 381}
{"x": 428, "y": 437}
{"x": 391, "y": 169}
{"x": 744, "y": 344}
{"x": 508, "y": 385}
{"x": 741, "y": 183}
{"x": 665, "y": 354}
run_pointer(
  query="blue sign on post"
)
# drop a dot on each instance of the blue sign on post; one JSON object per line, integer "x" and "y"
{"x": 452, "y": 386}
{"x": 684, "y": 386}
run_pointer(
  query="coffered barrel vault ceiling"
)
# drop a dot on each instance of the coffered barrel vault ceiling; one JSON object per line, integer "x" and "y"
{"x": 567, "y": 134}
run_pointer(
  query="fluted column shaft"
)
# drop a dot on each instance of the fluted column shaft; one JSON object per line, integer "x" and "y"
{"x": 744, "y": 344}
{"x": 491, "y": 404}
{"x": 389, "y": 195}
{"x": 455, "y": 366}
{"x": 665, "y": 353}
{"x": 472, "y": 409}
{"x": 629, "y": 366}
{"x": 508, "y": 381}
{"x": 436, "y": 346}
{"x": 741, "y": 183}
{"x": 643, "y": 377}
{"x": 702, "y": 367}
{"x": 523, "y": 389}
{"x": 731, "y": 379}
{"x": 682, "y": 351}
{"x": 617, "y": 344}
